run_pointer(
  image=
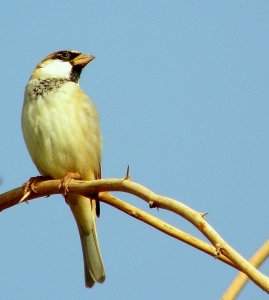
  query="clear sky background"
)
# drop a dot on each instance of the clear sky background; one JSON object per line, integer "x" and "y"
{"x": 183, "y": 95}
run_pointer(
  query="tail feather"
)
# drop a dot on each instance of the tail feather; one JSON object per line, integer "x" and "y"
{"x": 83, "y": 210}
{"x": 93, "y": 264}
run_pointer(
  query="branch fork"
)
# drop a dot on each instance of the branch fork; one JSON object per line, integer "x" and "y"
{"x": 217, "y": 246}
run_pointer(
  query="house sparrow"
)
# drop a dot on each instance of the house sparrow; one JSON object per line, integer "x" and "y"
{"x": 61, "y": 131}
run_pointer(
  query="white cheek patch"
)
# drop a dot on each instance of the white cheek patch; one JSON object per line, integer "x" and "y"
{"x": 55, "y": 68}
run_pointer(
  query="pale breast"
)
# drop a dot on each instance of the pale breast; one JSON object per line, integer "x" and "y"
{"x": 61, "y": 131}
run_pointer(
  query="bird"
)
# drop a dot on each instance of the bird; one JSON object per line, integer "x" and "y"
{"x": 60, "y": 126}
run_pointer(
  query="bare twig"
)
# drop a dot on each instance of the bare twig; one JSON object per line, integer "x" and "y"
{"x": 241, "y": 279}
{"x": 161, "y": 225}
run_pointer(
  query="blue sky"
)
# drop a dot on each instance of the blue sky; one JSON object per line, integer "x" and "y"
{"x": 183, "y": 96}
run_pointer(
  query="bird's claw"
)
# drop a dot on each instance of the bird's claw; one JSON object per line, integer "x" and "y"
{"x": 63, "y": 187}
{"x": 29, "y": 186}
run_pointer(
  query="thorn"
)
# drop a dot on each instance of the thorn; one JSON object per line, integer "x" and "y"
{"x": 127, "y": 176}
{"x": 203, "y": 215}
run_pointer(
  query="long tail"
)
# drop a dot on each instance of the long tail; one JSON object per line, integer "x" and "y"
{"x": 84, "y": 211}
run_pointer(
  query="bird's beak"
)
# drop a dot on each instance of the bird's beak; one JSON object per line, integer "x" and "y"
{"x": 82, "y": 60}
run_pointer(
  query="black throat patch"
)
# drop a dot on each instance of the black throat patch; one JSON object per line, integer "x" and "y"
{"x": 75, "y": 73}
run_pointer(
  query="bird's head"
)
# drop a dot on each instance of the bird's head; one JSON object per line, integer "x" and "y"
{"x": 65, "y": 64}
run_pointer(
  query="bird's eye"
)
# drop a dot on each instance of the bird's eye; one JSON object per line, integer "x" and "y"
{"x": 65, "y": 55}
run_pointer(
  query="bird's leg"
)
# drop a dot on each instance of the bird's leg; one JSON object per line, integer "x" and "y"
{"x": 65, "y": 181}
{"x": 29, "y": 186}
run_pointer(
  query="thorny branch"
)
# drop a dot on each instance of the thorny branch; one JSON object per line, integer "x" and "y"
{"x": 218, "y": 247}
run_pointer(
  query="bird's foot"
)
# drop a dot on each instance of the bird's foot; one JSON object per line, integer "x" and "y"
{"x": 63, "y": 187}
{"x": 29, "y": 186}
